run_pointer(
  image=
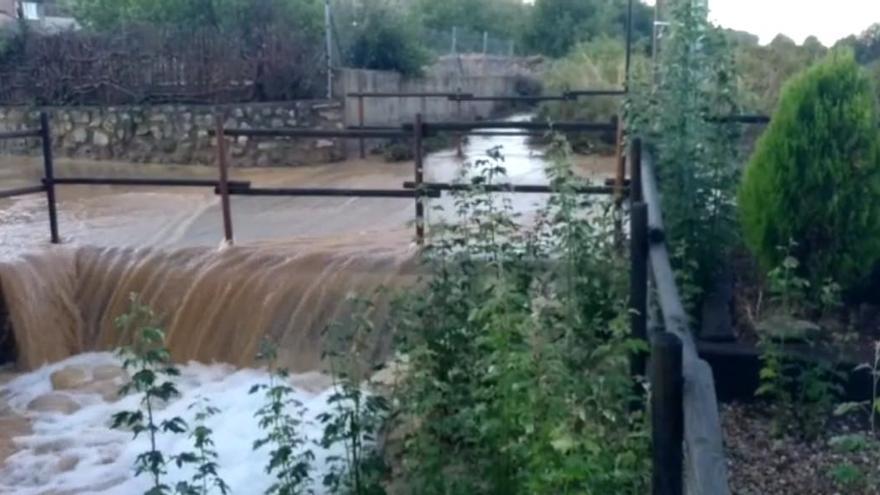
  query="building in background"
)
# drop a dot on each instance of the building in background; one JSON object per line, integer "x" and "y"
{"x": 8, "y": 11}
{"x": 44, "y": 15}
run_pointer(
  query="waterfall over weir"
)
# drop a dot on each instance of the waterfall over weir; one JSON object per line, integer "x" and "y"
{"x": 216, "y": 305}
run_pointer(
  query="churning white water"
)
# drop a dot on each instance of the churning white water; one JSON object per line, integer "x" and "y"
{"x": 70, "y": 447}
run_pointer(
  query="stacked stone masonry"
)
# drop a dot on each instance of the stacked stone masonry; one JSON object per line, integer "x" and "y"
{"x": 179, "y": 134}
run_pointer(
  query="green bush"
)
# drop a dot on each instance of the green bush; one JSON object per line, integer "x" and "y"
{"x": 598, "y": 64}
{"x": 814, "y": 178}
{"x": 385, "y": 39}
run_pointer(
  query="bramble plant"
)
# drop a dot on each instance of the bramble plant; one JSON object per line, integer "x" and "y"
{"x": 152, "y": 373}
{"x": 802, "y": 392}
{"x": 518, "y": 378}
{"x": 357, "y": 415}
{"x": 288, "y": 460}
{"x": 204, "y": 457}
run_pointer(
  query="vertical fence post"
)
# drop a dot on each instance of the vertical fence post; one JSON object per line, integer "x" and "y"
{"x": 328, "y": 41}
{"x": 638, "y": 283}
{"x": 619, "y": 178}
{"x": 49, "y": 176}
{"x": 419, "y": 179}
{"x": 223, "y": 167}
{"x": 667, "y": 415}
{"x": 620, "y": 170}
{"x": 363, "y": 148}
{"x": 485, "y": 42}
{"x": 459, "y": 151}
{"x": 635, "y": 181}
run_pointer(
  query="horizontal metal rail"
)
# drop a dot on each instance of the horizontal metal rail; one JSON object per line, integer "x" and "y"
{"x": 536, "y": 98}
{"x": 21, "y": 134}
{"x": 741, "y": 119}
{"x": 527, "y": 126}
{"x": 407, "y": 95}
{"x": 508, "y": 133}
{"x": 114, "y": 181}
{"x": 512, "y": 132}
{"x": 22, "y": 191}
{"x": 328, "y": 192}
{"x": 506, "y": 188}
{"x": 568, "y": 95}
{"x": 596, "y": 92}
{"x": 314, "y": 133}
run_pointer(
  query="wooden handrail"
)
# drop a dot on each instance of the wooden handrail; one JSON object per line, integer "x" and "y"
{"x": 705, "y": 463}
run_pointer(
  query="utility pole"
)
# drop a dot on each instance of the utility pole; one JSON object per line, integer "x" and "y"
{"x": 328, "y": 31}
{"x": 659, "y": 24}
{"x": 454, "y": 40}
{"x": 629, "y": 38}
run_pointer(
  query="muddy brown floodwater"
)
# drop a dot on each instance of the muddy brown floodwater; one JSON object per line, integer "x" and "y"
{"x": 294, "y": 261}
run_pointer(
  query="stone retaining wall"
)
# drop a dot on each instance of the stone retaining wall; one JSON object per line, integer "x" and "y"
{"x": 179, "y": 133}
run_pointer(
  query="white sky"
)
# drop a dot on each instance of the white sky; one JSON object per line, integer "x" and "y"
{"x": 829, "y": 20}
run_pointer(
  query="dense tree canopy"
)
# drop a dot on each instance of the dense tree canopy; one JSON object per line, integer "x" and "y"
{"x": 240, "y": 14}
{"x": 866, "y": 46}
{"x": 504, "y": 18}
{"x": 557, "y": 25}
{"x": 383, "y": 38}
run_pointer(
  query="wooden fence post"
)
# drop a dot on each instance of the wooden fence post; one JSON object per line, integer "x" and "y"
{"x": 49, "y": 176}
{"x": 419, "y": 179}
{"x": 635, "y": 182}
{"x": 223, "y": 168}
{"x": 638, "y": 282}
{"x": 667, "y": 415}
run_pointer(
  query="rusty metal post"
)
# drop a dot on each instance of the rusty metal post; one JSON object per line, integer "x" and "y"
{"x": 361, "y": 123}
{"x": 619, "y": 178}
{"x": 223, "y": 167}
{"x": 418, "y": 134}
{"x": 49, "y": 176}
{"x": 459, "y": 151}
{"x": 620, "y": 172}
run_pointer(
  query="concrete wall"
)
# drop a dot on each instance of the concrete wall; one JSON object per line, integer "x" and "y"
{"x": 179, "y": 133}
{"x": 478, "y": 75}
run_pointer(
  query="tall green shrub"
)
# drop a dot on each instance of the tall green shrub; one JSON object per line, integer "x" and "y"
{"x": 696, "y": 155}
{"x": 815, "y": 176}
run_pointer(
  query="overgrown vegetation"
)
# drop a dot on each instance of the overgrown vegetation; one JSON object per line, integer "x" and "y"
{"x": 280, "y": 418}
{"x": 558, "y": 25}
{"x": 695, "y": 154}
{"x": 802, "y": 390}
{"x": 815, "y": 177}
{"x": 152, "y": 374}
{"x": 518, "y": 351}
{"x": 232, "y": 15}
{"x": 358, "y": 415}
{"x": 380, "y": 35}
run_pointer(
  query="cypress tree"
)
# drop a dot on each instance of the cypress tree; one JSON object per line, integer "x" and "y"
{"x": 815, "y": 176}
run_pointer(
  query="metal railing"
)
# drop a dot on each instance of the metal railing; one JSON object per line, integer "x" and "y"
{"x": 417, "y": 188}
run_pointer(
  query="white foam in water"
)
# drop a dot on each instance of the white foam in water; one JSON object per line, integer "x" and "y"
{"x": 106, "y": 456}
